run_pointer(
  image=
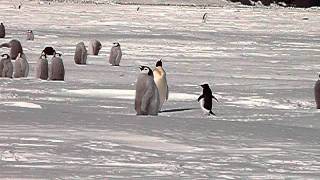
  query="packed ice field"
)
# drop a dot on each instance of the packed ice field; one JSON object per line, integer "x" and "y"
{"x": 261, "y": 63}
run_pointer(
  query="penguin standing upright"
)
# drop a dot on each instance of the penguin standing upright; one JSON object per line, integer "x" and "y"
{"x": 115, "y": 54}
{"x": 6, "y": 67}
{"x": 15, "y": 46}
{"x": 2, "y": 31}
{"x": 147, "y": 100}
{"x": 57, "y": 68}
{"x": 30, "y": 35}
{"x": 206, "y": 99}
{"x": 21, "y": 66}
{"x": 161, "y": 82}
{"x": 42, "y": 70}
{"x": 317, "y": 92}
{"x": 80, "y": 55}
{"x": 94, "y": 47}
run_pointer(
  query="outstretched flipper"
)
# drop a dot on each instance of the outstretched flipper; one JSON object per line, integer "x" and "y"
{"x": 215, "y": 98}
{"x": 200, "y": 97}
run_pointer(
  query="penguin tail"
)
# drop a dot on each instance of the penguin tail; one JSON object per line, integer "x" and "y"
{"x": 212, "y": 113}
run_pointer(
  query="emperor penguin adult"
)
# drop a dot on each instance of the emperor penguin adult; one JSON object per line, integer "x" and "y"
{"x": 205, "y": 99}
{"x": 161, "y": 82}
{"x": 21, "y": 66}
{"x": 2, "y": 31}
{"x": 115, "y": 54}
{"x": 30, "y": 35}
{"x": 317, "y": 93}
{"x": 6, "y": 66}
{"x": 147, "y": 100}
{"x": 15, "y": 48}
{"x": 80, "y": 55}
{"x": 42, "y": 69}
{"x": 94, "y": 47}
{"x": 57, "y": 68}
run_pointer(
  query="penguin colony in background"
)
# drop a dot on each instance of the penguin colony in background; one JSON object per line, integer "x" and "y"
{"x": 151, "y": 86}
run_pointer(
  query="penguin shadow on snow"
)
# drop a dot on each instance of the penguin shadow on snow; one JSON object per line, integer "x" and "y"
{"x": 177, "y": 110}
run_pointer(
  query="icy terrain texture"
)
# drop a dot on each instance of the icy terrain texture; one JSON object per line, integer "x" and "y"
{"x": 261, "y": 63}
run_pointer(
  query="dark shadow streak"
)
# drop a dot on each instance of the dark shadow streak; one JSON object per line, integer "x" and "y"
{"x": 177, "y": 110}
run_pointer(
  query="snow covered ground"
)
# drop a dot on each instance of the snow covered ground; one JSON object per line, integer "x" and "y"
{"x": 261, "y": 63}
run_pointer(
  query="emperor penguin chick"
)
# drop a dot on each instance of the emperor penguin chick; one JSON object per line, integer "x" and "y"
{"x": 80, "y": 55}
{"x": 2, "y": 31}
{"x": 21, "y": 66}
{"x": 57, "y": 68}
{"x": 94, "y": 47}
{"x": 161, "y": 82}
{"x": 30, "y": 35}
{"x": 115, "y": 54}
{"x": 42, "y": 67}
{"x": 147, "y": 100}
{"x": 6, "y": 66}
{"x": 205, "y": 99}
{"x": 15, "y": 46}
{"x": 317, "y": 92}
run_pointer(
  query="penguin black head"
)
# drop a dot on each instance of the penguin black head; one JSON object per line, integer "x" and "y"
{"x": 146, "y": 70}
{"x": 204, "y": 86}
{"x": 3, "y": 55}
{"x": 1, "y": 23}
{"x": 49, "y": 50}
{"x": 116, "y": 44}
{"x": 29, "y": 31}
{"x": 159, "y": 63}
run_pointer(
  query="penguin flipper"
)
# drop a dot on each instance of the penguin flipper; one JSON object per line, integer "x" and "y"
{"x": 215, "y": 98}
{"x": 200, "y": 97}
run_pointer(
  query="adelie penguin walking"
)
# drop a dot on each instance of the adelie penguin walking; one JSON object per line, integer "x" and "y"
{"x": 42, "y": 70}
{"x": 2, "y": 31}
{"x": 57, "y": 68}
{"x": 205, "y": 99}
{"x": 15, "y": 48}
{"x": 115, "y": 54}
{"x": 6, "y": 66}
{"x": 317, "y": 93}
{"x": 147, "y": 100}
{"x": 160, "y": 78}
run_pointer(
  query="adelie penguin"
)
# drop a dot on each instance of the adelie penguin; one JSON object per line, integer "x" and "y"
{"x": 160, "y": 78}
{"x": 205, "y": 99}
{"x": 317, "y": 93}
{"x": 30, "y": 35}
{"x": 15, "y": 48}
{"x": 6, "y": 66}
{"x": 42, "y": 69}
{"x": 57, "y": 68}
{"x": 147, "y": 100}
{"x": 115, "y": 54}
{"x": 94, "y": 47}
{"x": 2, "y": 31}
{"x": 21, "y": 66}
{"x": 80, "y": 55}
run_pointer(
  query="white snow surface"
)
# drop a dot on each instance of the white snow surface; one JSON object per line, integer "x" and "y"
{"x": 261, "y": 64}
